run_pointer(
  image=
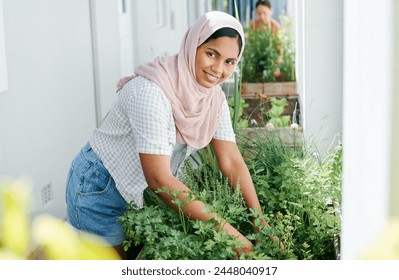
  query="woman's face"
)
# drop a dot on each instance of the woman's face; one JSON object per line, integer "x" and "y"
{"x": 264, "y": 13}
{"x": 216, "y": 60}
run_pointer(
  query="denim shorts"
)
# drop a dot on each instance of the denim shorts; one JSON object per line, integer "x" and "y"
{"x": 93, "y": 202}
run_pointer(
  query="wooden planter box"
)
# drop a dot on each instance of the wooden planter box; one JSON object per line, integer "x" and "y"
{"x": 258, "y": 95}
{"x": 265, "y": 90}
{"x": 288, "y": 136}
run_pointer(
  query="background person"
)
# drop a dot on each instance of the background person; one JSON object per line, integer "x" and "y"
{"x": 264, "y": 20}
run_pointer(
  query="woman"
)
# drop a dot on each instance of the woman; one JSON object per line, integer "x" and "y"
{"x": 170, "y": 108}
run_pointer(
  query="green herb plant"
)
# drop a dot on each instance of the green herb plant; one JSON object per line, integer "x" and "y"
{"x": 300, "y": 198}
{"x": 303, "y": 188}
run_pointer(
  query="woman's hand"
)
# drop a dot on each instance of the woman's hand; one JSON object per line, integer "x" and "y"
{"x": 247, "y": 248}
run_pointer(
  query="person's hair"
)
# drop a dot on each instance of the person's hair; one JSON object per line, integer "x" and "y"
{"x": 226, "y": 32}
{"x": 264, "y": 3}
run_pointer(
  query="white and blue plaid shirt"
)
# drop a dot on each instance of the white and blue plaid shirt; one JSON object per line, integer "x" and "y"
{"x": 141, "y": 121}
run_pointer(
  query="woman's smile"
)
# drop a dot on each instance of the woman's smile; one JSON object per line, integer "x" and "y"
{"x": 211, "y": 77}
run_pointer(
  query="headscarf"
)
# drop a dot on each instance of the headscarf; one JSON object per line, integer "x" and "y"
{"x": 195, "y": 108}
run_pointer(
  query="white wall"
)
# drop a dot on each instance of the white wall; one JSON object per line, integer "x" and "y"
{"x": 47, "y": 113}
{"x": 164, "y": 39}
{"x": 394, "y": 193}
{"x": 122, "y": 41}
{"x": 320, "y": 48}
{"x": 3, "y": 62}
{"x": 368, "y": 90}
{"x": 127, "y": 36}
{"x": 106, "y": 52}
{"x": 195, "y": 9}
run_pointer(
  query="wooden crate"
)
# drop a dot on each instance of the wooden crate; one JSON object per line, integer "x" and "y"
{"x": 265, "y": 90}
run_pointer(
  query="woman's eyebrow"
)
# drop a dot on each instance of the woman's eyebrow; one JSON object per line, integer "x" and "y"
{"x": 212, "y": 49}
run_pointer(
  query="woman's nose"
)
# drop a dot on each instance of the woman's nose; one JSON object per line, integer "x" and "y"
{"x": 217, "y": 67}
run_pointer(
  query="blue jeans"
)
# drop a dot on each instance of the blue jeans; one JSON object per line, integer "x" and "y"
{"x": 93, "y": 202}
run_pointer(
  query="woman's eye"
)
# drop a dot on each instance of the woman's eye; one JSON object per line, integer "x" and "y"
{"x": 230, "y": 62}
{"x": 211, "y": 54}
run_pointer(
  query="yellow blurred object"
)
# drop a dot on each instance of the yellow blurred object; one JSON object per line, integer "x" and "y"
{"x": 386, "y": 246}
{"x": 61, "y": 242}
{"x": 14, "y": 223}
{"x": 8, "y": 255}
{"x": 54, "y": 238}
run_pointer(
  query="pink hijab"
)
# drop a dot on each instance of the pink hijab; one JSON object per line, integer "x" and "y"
{"x": 195, "y": 108}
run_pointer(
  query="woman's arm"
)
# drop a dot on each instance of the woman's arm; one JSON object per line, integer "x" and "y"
{"x": 157, "y": 172}
{"x": 234, "y": 168}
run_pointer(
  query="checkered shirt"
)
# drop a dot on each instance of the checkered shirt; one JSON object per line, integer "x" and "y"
{"x": 141, "y": 121}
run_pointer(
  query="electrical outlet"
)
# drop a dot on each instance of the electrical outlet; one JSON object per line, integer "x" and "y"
{"x": 47, "y": 195}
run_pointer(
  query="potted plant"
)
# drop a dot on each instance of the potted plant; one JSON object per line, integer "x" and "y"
{"x": 268, "y": 67}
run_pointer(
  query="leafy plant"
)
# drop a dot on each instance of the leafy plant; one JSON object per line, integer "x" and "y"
{"x": 266, "y": 52}
{"x": 271, "y": 111}
{"x": 276, "y": 111}
{"x": 299, "y": 194}
{"x": 267, "y": 111}
{"x": 166, "y": 236}
{"x": 260, "y": 58}
{"x": 296, "y": 183}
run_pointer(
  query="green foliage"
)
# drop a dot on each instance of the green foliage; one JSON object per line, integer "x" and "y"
{"x": 287, "y": 65}
{"x": 260, "y": 58}
{"x": 206, "y": 158}
{"x": 270, "y": 111}
{"x": 236, "y": 106}
{"x": 167, "y": 236}
{"x": 265, "y": 53}
{"x": 308, "y": 189}
{"x": 276, "y": 111}
{"x": 299, "y": 194}
{"x": 242, "y": 104}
